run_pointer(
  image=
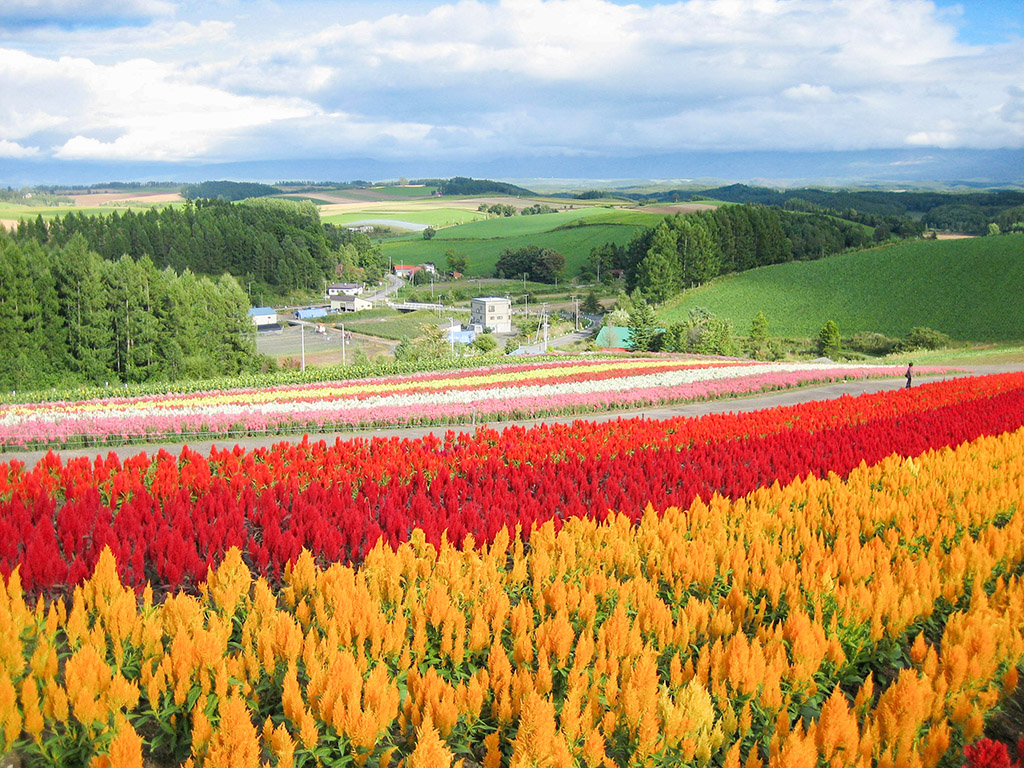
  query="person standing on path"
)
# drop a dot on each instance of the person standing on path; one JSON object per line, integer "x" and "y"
{"x": 909, "y": 374}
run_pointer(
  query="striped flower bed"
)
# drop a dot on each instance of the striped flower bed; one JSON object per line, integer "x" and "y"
{"x": 498, "y": 393}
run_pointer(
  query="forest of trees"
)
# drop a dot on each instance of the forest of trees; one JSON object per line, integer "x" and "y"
{"x": 69, "y": 317}
{"x": 903, "y": 214}
{"x": 274, "y": 243}
{"x": 687, "y": 250}
{"x": 541, "y": 265}
{"x": 227, "y": 190}
{"x": 461, "y": 185}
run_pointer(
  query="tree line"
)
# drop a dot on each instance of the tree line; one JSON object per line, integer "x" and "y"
{"x": 227, "y": 190}
{"x": 69, "y": 317}
{"x": 274, "y": 243}
{"x": 541, "y": 265}
{"x": 685, "y": 250}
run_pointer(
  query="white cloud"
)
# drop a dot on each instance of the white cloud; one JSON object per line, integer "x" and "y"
{"x": 537, "y": 76}
{"x": 932, "y": 139}
{"x": 11, "y": 149}
{"x": 135, "y": 109}
{"x": 806, "y": 92}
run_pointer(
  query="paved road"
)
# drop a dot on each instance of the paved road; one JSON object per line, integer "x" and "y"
{"x": 737, "y": 405}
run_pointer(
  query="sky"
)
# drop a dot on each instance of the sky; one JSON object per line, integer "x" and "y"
{"x": 220, "y": 81}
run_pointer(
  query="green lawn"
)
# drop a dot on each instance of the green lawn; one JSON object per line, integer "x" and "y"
{"x": 572, "y": 233}
{"x": 392, "y": 324}
{"x": 16, "y": 212}
{"x": 514, "y": 226}
{"x": 406, "y": 191}
{"x": 969, "y": 289}
{"x": 575, "y": 244}
{"x": 435, "y": 217}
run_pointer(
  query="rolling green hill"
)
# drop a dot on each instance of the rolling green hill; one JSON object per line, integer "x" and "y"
{"x": 572, "y": 233}
{"x": 970, "y": 289}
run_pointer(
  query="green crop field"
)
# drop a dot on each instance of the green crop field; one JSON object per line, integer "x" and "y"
{"x": 969, "y": 289}
{"x": 435, "y": 217}
{"x": 16, "y": 212}
{"x": 574, "y": 243}
{"x": 514, "y": 226}
{"x": 572, "y": 233}
{"x": 413, "y": 191}
{"x": 391, "y": 324}
{"x": 631, "y": 217}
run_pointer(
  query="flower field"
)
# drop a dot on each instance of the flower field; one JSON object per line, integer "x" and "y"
{"x": 500, "y": 392}
{"x": 830, "y": 584}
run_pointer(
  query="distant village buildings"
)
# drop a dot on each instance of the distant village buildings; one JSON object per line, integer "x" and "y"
{"x": 405, "y": 271}
{"x": 344, "y": 289}
{"x": 265, "y": 319}
{"x": 349, "y": 304}
{"x": 492, "y": 312}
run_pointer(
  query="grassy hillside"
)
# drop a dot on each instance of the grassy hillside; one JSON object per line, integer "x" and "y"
{"x": 969, "y": 289}
{"x": 572, "y": 233}
{"x": 435, "y": 217}
{"x": 513, "y": 226}
{"x": 16, "y": 212}
{"x": 389, "y": 324}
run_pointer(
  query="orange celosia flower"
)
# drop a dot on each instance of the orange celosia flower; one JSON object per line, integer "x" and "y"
{"x": 235, "y": 742}
{"x": 492, "y": 754}
{"x": 430, "y": 751}
{"x": 126, "y": 748}
{"x": 837, "y": 727}
{"x": 538, "y": 742}
{"x": 33, "y": 717}
{"x": 281, "y": 744}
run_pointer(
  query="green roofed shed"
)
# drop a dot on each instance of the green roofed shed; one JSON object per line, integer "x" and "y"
{"x": 613, "y": 337}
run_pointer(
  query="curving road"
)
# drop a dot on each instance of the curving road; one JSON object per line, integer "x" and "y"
{"x": 735, "y": 405}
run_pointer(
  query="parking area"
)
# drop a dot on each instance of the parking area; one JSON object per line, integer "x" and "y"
{"x": 321, "y": 348}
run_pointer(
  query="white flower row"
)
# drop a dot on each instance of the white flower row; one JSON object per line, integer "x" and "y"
{"x": 466, "y": 397}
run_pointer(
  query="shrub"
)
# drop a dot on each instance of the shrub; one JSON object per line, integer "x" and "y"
{"x": 871, "y": 343}
{"x": 924, "y": 338}
{"x": 829, "y": 341}
{"x": 485, "y": 343}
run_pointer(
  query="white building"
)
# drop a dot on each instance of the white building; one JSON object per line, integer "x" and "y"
{"x": 349, "y": 304}
{"x": 335, "y": 290}
{"x": 492, "y": 312}
{"x": 263, "y": 316}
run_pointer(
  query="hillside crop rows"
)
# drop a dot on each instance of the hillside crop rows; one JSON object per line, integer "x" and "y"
{"x": 836, "y": 583}
{"x": 482, "y": 242}
{"x": 965, "y": 288}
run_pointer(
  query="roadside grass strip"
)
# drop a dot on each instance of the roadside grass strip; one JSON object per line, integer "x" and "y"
{"x": 451, "y": 397}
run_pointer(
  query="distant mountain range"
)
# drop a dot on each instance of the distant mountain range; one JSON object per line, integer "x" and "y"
{"x": 888, "y": 168}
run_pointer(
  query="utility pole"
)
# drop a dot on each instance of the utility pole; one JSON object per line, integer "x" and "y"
{"x": 342, "y": 343}
{"x": 302, "y": 336}
{"x": 544, "y": 322}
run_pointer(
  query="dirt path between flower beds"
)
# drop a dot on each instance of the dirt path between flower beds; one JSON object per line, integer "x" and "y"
{"x": 725, "y": 405}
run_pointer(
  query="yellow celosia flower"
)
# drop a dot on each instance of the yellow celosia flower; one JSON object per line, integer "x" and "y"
{"x": 282, "y": 745}
{"x": 33, "y": 717}
{"x": 234, "y": 743}
{"x": 126, "y": 748}
{"x": 430, "y": 751}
